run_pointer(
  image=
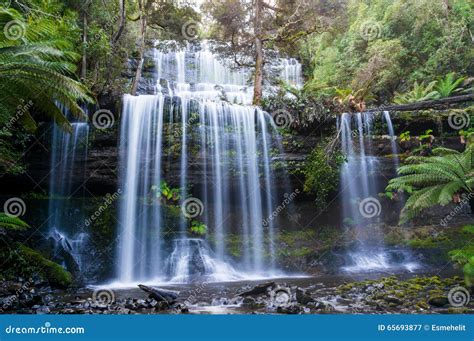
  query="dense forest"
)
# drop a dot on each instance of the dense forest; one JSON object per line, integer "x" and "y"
{"x": 246, "y": 142}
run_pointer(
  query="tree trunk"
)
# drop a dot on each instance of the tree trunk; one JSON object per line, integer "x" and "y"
{"x": 259, "y": 62}
{"x": 122, "y": 21}
{"x": 141, "y": 50}
{"x": 442, "y": 103}
{"x": 84, "y": 47}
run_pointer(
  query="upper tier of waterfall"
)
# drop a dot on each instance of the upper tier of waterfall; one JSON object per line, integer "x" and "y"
{"x": 196, "y": 72}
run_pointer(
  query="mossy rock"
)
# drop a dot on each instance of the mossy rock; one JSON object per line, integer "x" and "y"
{"x": 460, "y": 310}
{"x": 438, "y": 301}
{"x": 56, "y": 275}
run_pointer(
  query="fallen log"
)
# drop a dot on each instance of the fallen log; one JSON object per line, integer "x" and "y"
{"x": 442, "y": 103}
{"x": 160, "y": 295}
{"x": 259, "y": 289}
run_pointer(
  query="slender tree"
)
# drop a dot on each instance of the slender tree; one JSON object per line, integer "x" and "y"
{"x": 252, "y": 26}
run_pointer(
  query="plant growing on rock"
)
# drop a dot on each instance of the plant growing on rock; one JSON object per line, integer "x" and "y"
{"x": 165, "y": 194}
{"x": 321, "y": 174}
{"x": 434, "y": 180}
{"x": 198, "y": 228}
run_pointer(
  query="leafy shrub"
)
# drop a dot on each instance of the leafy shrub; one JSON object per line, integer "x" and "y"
{"x": 322, "y": 174}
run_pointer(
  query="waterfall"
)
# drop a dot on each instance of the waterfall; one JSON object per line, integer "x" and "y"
{"x": 360, "y": 195}
{"x": 68, "y": 156}
{"x": 291, "y": 72}
{"x": 195, "y": 133}
{"x": 393, "y": 138}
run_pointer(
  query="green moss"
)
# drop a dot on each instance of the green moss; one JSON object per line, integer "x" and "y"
{"x": 56, "y": 275}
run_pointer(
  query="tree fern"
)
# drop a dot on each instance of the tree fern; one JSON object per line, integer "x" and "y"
{"x": 448, "y": 85}
{"x": 38, "y": 68}
{"x": 419, "y": 93}
{"x": 12, "y": 223}
{"x": 434, "y": 180}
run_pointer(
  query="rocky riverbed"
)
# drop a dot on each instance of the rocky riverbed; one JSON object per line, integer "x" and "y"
{"x": 335, "y": 295}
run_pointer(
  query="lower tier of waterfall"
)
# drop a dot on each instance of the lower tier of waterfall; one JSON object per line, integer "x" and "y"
{"x": 190, "y": 234}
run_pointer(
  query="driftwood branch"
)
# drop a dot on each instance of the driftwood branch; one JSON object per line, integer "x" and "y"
{"x": 433, "y": 104}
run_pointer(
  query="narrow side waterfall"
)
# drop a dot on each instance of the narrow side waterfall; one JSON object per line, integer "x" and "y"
{"x": 69, "y": 153}
{"x": 360, "y": 196}
{"x": 195, "y": 136}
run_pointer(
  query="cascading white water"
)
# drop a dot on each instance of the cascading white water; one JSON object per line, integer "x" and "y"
{"x": 228, "y": 144}
{"x": 69, "y": 152}
{"x": 393, "y": 138}
{"x": 291, "y": 72}
{"x": 360, "y": 189}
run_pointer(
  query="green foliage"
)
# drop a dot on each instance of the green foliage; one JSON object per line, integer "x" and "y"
{"x": 56, "y": 275}
{"x": 465, "y": 256}
{"x": 22, "y": 261}
{"x": 448, "y": 86}
{"x": 410, "y": 42}
{"x": 12, "y": 223}
{"x": 444, "y": 87}
{"x": 39, "y": 67}
{"x": 166, "y": 194}
{"x": 198, "y": 228}
{"x": 419, "y": 93}
{"x": 405, "y": 136}
{"x": 434, "y": 180}
{"x": 322, "y": 174}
